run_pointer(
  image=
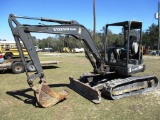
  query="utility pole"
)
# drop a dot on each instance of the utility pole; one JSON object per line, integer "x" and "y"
{"x": 94, "y": 20}
{"x": 158, "y": 26}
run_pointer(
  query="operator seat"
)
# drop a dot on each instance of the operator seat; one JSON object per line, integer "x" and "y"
{"x": 117, "y": 52}
{"x": 133, "y": 47}
{"x": 133, "y": 44}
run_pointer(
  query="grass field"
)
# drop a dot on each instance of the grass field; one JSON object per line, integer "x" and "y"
{"x": 17, "y": 101}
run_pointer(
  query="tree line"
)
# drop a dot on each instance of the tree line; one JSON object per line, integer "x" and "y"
{"x": 149, "y": 39}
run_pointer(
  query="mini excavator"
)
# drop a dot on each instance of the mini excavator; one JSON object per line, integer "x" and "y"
{"x": 111, "y": 76}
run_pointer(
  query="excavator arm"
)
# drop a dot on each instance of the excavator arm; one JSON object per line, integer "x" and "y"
{"x": 45, "y": 96}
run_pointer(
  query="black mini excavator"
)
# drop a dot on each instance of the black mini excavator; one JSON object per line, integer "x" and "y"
{"x": 112, "y": 67}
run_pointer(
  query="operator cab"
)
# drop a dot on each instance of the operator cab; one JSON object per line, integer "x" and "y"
{"x": 123, "y": 47}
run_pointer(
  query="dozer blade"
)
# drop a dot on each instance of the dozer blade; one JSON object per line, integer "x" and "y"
{"x": 85, "y": 90}
{"x": 46, "y": 97}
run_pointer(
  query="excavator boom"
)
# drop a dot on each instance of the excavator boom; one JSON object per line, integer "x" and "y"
{"x": 45, "y": 96}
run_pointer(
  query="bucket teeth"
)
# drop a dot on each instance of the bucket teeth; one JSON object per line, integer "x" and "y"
{"x": 85, "y": 90}
{"x": 46, "y": 97}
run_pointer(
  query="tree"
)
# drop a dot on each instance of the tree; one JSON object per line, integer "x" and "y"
{"x": 34, "y": 41}
{"x": 150, "y": 37}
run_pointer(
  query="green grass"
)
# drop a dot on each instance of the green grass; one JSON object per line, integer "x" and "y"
{"x": 17, "y": 101}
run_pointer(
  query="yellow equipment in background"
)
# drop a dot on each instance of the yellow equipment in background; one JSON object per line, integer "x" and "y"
{"x": 9, "y": 49}
{"x": 66, "y": 50}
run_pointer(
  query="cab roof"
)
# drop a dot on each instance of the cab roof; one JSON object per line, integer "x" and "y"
{"x": 133, "y": 24}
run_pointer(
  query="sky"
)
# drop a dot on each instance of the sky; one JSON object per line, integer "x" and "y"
{"x": 107, "y": 11}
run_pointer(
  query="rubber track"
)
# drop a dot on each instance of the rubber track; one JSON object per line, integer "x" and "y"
{"x": 110, "y": 85}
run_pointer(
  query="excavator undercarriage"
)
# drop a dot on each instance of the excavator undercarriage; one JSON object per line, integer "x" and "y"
{"x": 92, "y": 86}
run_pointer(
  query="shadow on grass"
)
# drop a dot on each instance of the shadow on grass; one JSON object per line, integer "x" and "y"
{"x": 50, "y": 67}
{"x": 24, "y": 95}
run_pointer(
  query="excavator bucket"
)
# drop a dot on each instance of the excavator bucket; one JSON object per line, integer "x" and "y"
{"x": 46, "y": 97}
{"x": 85, "y": 90}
